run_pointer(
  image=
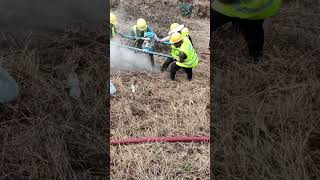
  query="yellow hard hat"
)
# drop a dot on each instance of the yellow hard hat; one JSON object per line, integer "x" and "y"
{"x": 141, "y": 24}
{"x": 173, "y": 26}
{"x": 175, "y": 37}
{"x": 185, "y": 32}
{"x": 113, "y": 19}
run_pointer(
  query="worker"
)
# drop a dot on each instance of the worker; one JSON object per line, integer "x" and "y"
{"x": 184, "y": 56}
{"x": 113, "y": 23}
{"x": 248, "y": 16}
{"x": 139, "y": 30}
{"x": 185, "y": 33}
{"x": 175, "y": 27}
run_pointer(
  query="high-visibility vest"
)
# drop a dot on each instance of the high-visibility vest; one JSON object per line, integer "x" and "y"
{"x": 248, "y": 9}
{"x": 135, "y": 30}
{"x": 175, "y": 52}
{"x": 192, "y": 56}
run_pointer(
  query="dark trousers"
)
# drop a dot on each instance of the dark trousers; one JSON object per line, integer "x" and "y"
{"x": 151, "y": 59}
{"x": 252, "y": 31}
{"x": 167, "y": 63}
{"x": 138, "y": 44}
{"x": 175, "y": 68}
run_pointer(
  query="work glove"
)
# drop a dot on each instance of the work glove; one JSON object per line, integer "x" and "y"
{"x": 167, "y": 43}
{"x": 182, "y": 56}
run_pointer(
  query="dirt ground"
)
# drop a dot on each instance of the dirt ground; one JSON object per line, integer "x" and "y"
{"x": 265, "y": 117}
{"x": 161, "y": 107}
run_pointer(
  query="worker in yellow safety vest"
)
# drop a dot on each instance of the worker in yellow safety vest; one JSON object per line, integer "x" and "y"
{"x": 185, "y": 33}
{"x": 249, "y": 16}
{"x": 113, "y": 23}
{"x": 184, "y": 56}
{"x": 175, "y": 27}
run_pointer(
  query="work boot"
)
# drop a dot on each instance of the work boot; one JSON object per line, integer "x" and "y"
{"x": 152, "y": 60}
{"x": 255, "y": 59}
{"x": 255, "y": 56}
{"x": 236, "y": 28}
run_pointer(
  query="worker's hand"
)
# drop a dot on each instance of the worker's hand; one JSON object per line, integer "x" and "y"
{"x": 145, "y": 51}
{"x": 157, "y": 39}
{"x": 182, "y": 56}
{"x": 167, "y": 43}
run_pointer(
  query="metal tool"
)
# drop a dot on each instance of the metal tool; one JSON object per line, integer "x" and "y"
{"x": 141, "y": 50}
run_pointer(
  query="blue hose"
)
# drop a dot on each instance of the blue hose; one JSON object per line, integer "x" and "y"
{"x": 143, "y": 38}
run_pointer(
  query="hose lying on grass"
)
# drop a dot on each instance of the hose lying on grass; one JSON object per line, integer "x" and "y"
{"x": 158, "y": 139}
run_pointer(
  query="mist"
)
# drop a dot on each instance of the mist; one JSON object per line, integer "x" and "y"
{"x": 123, "y": 59}
{"x": 50, "y": 14}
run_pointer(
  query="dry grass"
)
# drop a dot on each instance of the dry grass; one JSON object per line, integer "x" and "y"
{"x": 46, "y": 134}
{"x": 161, "y": 161}
{"x": 161, "y": 107}
{"x": 156, "y": 109}
{"x": 266, "y": 116}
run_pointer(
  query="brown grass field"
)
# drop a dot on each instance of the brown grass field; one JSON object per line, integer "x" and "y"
{"x": 265, "y": 117}
{"x": 161, "y": 107}
{"x": 46, "y": 134}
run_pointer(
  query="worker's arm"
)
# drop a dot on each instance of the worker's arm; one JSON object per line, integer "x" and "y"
{"x": 182, "y": 56}
{"x": 155, "y": 35}
{"x": 132, "y": 33}
{"x": 165, "y": 39}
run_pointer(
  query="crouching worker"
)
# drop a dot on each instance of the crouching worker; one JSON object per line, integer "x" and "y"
{"x": 184, "y": 56}
{"x": 141, "y": 29}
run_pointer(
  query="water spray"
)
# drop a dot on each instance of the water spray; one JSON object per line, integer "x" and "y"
{"x": 141, "y": 50}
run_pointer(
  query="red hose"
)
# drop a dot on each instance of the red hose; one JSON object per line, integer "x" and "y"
{"x": 158, "y": 139}
{"x": 204, "y": 53}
